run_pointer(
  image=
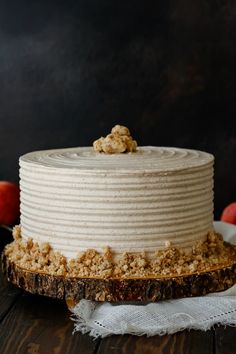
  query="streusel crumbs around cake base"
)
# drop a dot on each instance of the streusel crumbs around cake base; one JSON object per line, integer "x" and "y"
{"x": 172, "y": 261}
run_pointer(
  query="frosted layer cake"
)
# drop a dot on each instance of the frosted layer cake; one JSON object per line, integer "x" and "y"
{"x": 116, "y": 210}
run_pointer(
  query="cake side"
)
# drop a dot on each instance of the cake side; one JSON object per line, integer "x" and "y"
{"x": 77, "y": 199}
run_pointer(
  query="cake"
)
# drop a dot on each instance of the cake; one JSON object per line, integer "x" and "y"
{"x": 117, "y": 210}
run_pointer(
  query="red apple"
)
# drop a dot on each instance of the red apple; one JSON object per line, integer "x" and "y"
{"x": 229, "y": 214}
{"x": 9, "y": 202}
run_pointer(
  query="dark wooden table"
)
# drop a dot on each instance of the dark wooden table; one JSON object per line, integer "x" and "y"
{"x": 34, "y": 324}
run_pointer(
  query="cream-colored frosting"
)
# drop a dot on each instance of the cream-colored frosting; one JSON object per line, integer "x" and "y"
{"x": 78, "y": 199}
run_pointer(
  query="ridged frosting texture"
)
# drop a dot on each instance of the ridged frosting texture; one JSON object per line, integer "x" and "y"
{"x": 77, "y": 199}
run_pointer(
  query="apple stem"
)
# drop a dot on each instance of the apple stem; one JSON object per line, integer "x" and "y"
{"x": 8, "y": 228}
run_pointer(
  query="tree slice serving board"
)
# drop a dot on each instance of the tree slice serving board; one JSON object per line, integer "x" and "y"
{"x": 115, "y": 290}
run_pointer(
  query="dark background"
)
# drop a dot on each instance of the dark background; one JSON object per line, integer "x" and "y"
{"x": 70, "y": 70}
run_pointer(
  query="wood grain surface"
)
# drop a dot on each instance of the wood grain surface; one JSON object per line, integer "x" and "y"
{"x": 8, "y": 295}
{"x": 39, "y": 325}
{"x": 225, "y": 340}
{"x": 194, "y": 342}
{"x": 115, "y": 290}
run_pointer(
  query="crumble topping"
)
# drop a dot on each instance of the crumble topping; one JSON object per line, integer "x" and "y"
{"x": 118, "y": 141}
{"x": 168, "y": 262}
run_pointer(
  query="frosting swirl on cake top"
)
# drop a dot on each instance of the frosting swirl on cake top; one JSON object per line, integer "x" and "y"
{"x": 145, "y": 159}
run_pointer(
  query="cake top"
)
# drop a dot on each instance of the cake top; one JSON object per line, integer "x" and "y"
{"x": 145, "y": 159}
{"x": 118, "y": 152}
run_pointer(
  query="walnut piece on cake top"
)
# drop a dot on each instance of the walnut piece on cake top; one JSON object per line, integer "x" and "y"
{"x": 118, "y": 141}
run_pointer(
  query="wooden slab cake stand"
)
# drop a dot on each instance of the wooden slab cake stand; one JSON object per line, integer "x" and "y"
{"x": 129, "y": 289}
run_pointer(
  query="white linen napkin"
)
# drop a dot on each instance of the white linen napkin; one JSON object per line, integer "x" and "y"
{"x": 165, "y": 317}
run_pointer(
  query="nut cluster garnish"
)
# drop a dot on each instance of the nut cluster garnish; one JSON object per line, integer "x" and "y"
{"x": 118, "y": 141}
